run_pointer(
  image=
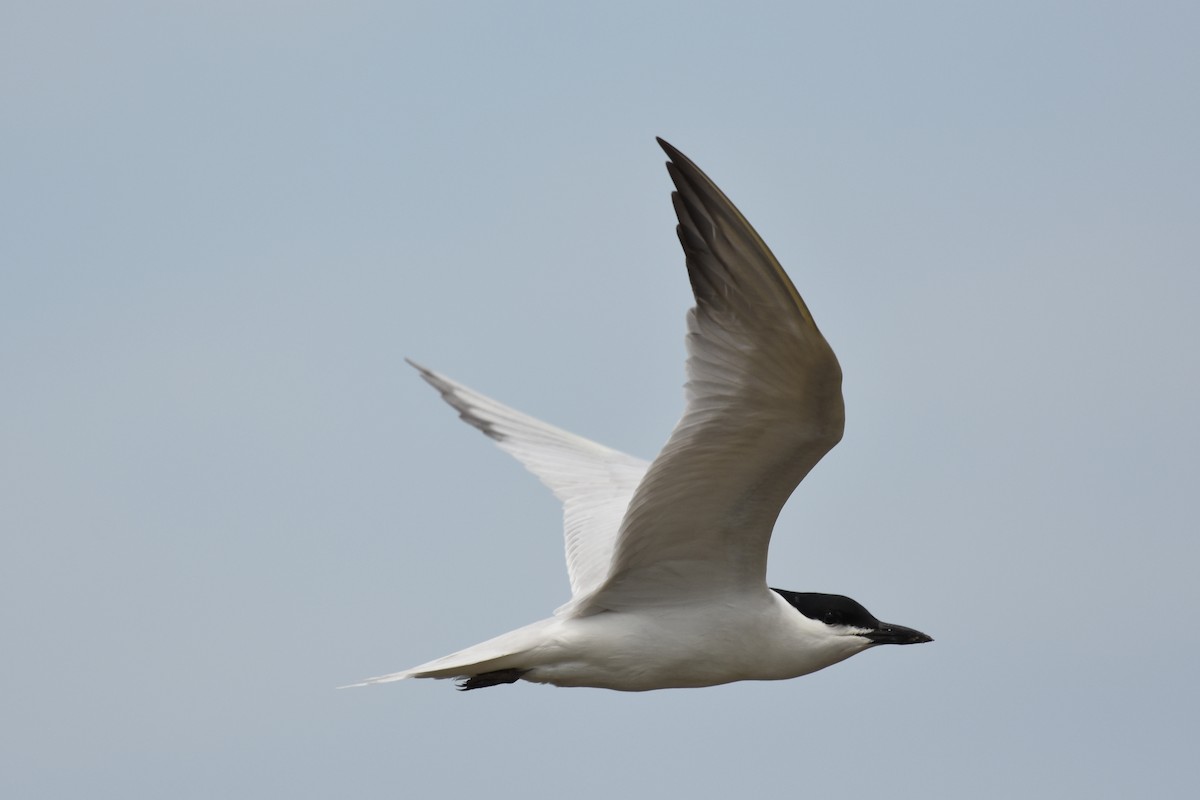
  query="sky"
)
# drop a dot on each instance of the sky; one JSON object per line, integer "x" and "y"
{"x": 223, "y": 493}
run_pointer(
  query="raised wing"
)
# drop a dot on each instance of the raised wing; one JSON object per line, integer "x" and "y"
{"x": 764, "y": 404}
{"x": 593, "y": 482}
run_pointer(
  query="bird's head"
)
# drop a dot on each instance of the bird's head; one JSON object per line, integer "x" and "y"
{"x": 843, "y": 616}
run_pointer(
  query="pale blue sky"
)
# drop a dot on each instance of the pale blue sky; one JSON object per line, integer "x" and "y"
{"x": 222, "y": 493}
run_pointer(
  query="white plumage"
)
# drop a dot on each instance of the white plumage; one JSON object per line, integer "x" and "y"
{"x": 667, "y": 560}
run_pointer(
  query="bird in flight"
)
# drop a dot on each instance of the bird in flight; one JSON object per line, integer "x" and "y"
{"x": 668, "y": 559}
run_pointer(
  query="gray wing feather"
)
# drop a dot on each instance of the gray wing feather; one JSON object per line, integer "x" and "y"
{"x": 593, "y": 482}
{"x": 764, "y": 405}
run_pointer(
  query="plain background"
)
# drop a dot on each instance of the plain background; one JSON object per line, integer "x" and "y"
{"x": 222, "y": 493}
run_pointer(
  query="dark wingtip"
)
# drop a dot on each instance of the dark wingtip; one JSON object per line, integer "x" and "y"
{"x": 688, "y": 177}
{"x": 450, "y": 393}
{"x": 429, "y": 376}
{"x": 670, "y": 149}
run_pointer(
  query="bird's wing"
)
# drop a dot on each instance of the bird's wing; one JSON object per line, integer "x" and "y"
{"x": 593, "y": 482}
{"x": 764, "y": 404}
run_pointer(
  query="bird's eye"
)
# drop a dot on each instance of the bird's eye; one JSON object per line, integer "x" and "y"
{"x": 832, "y": 618}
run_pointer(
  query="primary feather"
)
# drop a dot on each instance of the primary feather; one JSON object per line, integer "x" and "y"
{"x": 593, "y": 482}
{"x": 764, "y": 404}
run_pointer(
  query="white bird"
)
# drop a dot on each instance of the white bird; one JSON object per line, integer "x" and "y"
{"x": 668, "y": 559}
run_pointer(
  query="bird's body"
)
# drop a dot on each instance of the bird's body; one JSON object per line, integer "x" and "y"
{"x": 667, "y": 559}
{"x": 756, "y": 636}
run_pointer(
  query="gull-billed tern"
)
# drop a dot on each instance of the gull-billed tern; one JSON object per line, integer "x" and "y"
{"x": 668, "y": 559}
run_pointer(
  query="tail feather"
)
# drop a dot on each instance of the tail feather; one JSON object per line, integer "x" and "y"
{"x": 395, "y": 676}
{"x": 500, "y": 660}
